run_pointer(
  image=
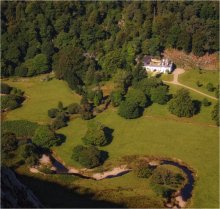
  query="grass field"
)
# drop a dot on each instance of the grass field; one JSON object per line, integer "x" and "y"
{"x": 41, "y": 96}
{"x": 190, "y": 78}
{"x": 193, "y": 140}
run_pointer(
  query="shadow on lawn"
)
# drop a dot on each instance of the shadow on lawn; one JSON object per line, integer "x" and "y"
{"x": 54, "y": 195}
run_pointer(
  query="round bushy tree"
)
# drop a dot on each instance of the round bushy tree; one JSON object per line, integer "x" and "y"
{"x": 129, "y": 110}
{"x": 44, "y": 137}
{"x": 9, "y": 142}
{"x": 181, "y": 104}
{"x": 89, "y": 157}
{"x": 116, "y": 98}
{"x": 57, "y": 124}
{"x": 159, "y": 94}
{"x": 205, "y": 102}
{"x": 95, "y": 134}
{"x": 52, "y": 113}
{"x": 136, "y": 96}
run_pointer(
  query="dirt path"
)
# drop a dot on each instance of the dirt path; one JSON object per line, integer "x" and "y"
{"x": 175, "y": 81}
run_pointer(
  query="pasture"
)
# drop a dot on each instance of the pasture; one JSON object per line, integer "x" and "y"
{"x": 158, "y": 133}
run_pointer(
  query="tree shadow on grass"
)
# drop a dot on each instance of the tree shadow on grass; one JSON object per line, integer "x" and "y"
{"x": 61, "y": 138}
{"x": 54, "y": 195}
{"x": 197, "y": 105}
{"x": 108, "y": 132}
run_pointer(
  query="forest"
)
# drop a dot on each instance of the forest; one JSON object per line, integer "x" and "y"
{"x": 87, "y": 42}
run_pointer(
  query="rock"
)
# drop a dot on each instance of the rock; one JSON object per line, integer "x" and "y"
{"x": 14, "y": 194}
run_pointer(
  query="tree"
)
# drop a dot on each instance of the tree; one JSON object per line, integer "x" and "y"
{"x": 147, "y": 84}
{"x": 116, "y": 98}
{"x": 57, "y": 124}
{"x": 129, "y": 110}
{"x": 9, "y": 142}
{"x": 44, "y": 137}
{"x": 52, "y": 113}
{"x": 98, "y": 97}
{"x": 144, "y": 172}
{"x": 210, "y": 87}
{"x": 181, "y": 104}
{"x": 89, "y": 157}
{"x": 5, "y": 88}
{"x": 95, "y": 134}
{"x": 215, "y": 114}
{"x": 74, "y": 108}
{"x": 159, "y": 94}
{"x": 136, "y": 96}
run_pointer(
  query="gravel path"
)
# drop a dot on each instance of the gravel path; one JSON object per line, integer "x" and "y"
{"x": 175, "y": 81}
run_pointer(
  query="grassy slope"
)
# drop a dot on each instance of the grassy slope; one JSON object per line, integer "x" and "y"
{"x": 190, "y": 78}
{"x": 41, "y": 97}
{"x": 156, "y": 133}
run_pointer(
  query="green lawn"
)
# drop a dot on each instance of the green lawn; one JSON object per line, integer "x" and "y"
{"x": 190, "y": 78}
{"x": 41, "y": 97}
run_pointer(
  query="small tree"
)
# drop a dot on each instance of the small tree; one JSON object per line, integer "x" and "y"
{"x": 95, "y": 134}
{"x": 5, "y": 88}
{"x": 57, "y": 124}
{"x": 9, "y": 142}
{"x": 129, "y": 110}
{"x": 210, "y": 87}
{"x": 52, "y": 113}
{"x": 205, "y": 102}
{"x": 44, "y": 137}
{"x": 181, "y": 105}
{"x": 60, "y": 106}
{"x": 215, "y": 114}
{"x": 198, "y": 83}
{"x": 98, "y": 97}
{"x": 116, "y": 98}
{"x": 159, "y": 94}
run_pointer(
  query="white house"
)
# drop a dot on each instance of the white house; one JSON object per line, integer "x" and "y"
{"x": 154, "y": 65}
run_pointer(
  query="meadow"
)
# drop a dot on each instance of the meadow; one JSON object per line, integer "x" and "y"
{"x": 158, "y": 133}
{"x": 190, "y": 77}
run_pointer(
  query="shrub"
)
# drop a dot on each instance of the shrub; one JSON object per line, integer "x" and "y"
{"x": 44, "y": 137}
{"x": 46, "y": 170}
{"x": 205, "y": 102}
{"x": 116, "y": 98}
{"x": 163, "y": 175}
{"x": 210, "y": 87}
{"x": 181, "y": 104}
{"x": 17, "y": 92}
{"x": 95, "y": 134}
{"x": 57, "y": 124}
{"x": 144, "y": 172}
{"x": 9, "y": 142}
{"x": 129, "y": 110}
{"x": 10, "y": 102}
{"x": 5, "y": 88}
{"x": 198, "y": 83}
{"x": 159, "y": 94}
{"x": 89, "y": 157}
{"x": 62, "y": 116}
{"x": 52, "y": 113}
{"x": 86, "y": 115}
{"x": 22, "y": 128}
{"x": 74, "y": 108}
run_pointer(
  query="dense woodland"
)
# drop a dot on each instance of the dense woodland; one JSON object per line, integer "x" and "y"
{"x": 86, "y": 42}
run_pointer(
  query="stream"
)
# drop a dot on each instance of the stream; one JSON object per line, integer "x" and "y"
{"x": 181, "y": 198}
